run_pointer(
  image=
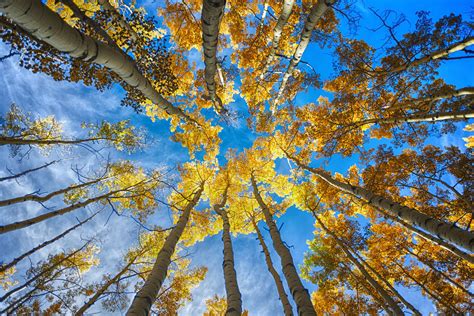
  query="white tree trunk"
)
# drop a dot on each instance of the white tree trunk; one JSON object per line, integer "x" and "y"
{"x": 317, "y": 11}
{"x": 436, "y": 55}
{"x": 298, "y": 291}
{"x": 279, "y": 284}
{"x": 44, "y": 24}
{"x": 12, "y": 263}
{"x": 443, "y": 230}
{"x": 211, "y": 16}
{"x": 37, "y": 219}
{"x": 40, "y": 199}
{"x": 418, "y": 118}
{"x": 102, "y": 290}
{"x": 394, "y": 308}
{"x": 144, "y": 299}
{"x": 234, "y": 298}
{"x": 282, "y": 20}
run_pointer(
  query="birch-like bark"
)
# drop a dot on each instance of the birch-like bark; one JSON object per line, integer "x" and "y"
{"x": 93, "y": 24}
{"x": 38, "y": 20}
{"x": 38, "y": 219}
{"x": 444, "y": 230}
{"x": 23, "y": 173}
{"x": 44, "y": 198}
{"x": 234, "y": 298}
{"x": 441, "y": 273}
{"x": 394, "y": 308}
{"x": 14, "y": 262}
{"x": 416, "y": 118}
{"x": 211, "y": 16}
{"x": 298, "y": 291}
{"x": 7, "y": 140}
{"x": 44, "y": 272}
{"x": 317, "y": 11}
{"x": 422, "y": 285}
{"x": 102, "y": 290}
{"x": 435, "y": 55}
{"x": 121, "y": 20}
{"x": 144, "y": 299}
{"x": 282, "y": 20}
{"x": 454, "y": 250}
{"x": 389, "y": 285}
{"x": 440, "y": 96}
{"x": 279, "y": 284}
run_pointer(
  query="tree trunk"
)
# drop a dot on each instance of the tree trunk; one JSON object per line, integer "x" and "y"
{"x": 453, "y": 309}
{"x": 15, "y": 176}
{"x": 12, "y": 263}
{"x": 317, "y": 11}
{"x": 458, "y": 252}
{"x": 37, "y": 19}
{"x": 390, "y": 286}
{"x": 35, "y": 220}
{"x": 122, "y": 22}
{"x": 444, "y": 230}
{"x": 441, "y": 273}
{"x": 211, "y": 16}
{"x": 40, "y": 199}
{"x": 234, "y": 298}
{"x": 435, "y": 55}
{"x": 144, "y": 299}
{"x": 299, "y": 293}
{"x": 5, "y": 140}
{"x": 279, "y": 284}
{"x": 45, "y": 271}
{"x": 93, "y": 24}
{"x": 416, "y": 118}
{"x": 102, "y": 290}
{"x": 394, "y": 308}
{"x": 282, "y": 20}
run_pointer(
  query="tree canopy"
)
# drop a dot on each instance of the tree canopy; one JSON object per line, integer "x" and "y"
{"x": 224, "y": 157}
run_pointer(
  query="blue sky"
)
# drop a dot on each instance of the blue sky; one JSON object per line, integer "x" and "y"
{"x": 73, "y": 103}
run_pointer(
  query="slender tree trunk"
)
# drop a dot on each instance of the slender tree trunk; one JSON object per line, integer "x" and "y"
{"x": 282, "y": 20}
{"x": 211, "y": 16}
{"x": 37, "y": 19}
{"x": 456, "y": 251}
{"x": 390, "y": 286}
{"x": 40, "y": 199}
{"x": 144, "y": 299}
{"x": 234, "y": 298}
{"x": 435, "y": 55}
{"x": 121, "y": 20}
{"x": 441, "y": 273}
{"x": 394, "y": 308}
{"x": 416, "y": 118}
{"x": 279, "y": 284}
{"x": 452, "y": 308}
{"x": 44, "y": 272}
{"x": 444, "y": 230}
{"x": 361, "y": 280}
{"x": 102, "y": 290}
{"x": 93, "y": 24}
{"x": 449, "y": 95}
{"x": 35, "y": 220}
{"x": 299, "y": 293}
{"x": 12, "y": 263}
{"x": 5, "y": 140}
{"x": 18, "y": 175}
{"x": 317, "y": 11}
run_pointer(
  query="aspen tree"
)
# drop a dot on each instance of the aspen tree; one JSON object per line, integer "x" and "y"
{"x": 287, "y": 310}
{"x": 299, "y": 293}
{"x": 36, "y": 18}
{"x": 144, "y": 299}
